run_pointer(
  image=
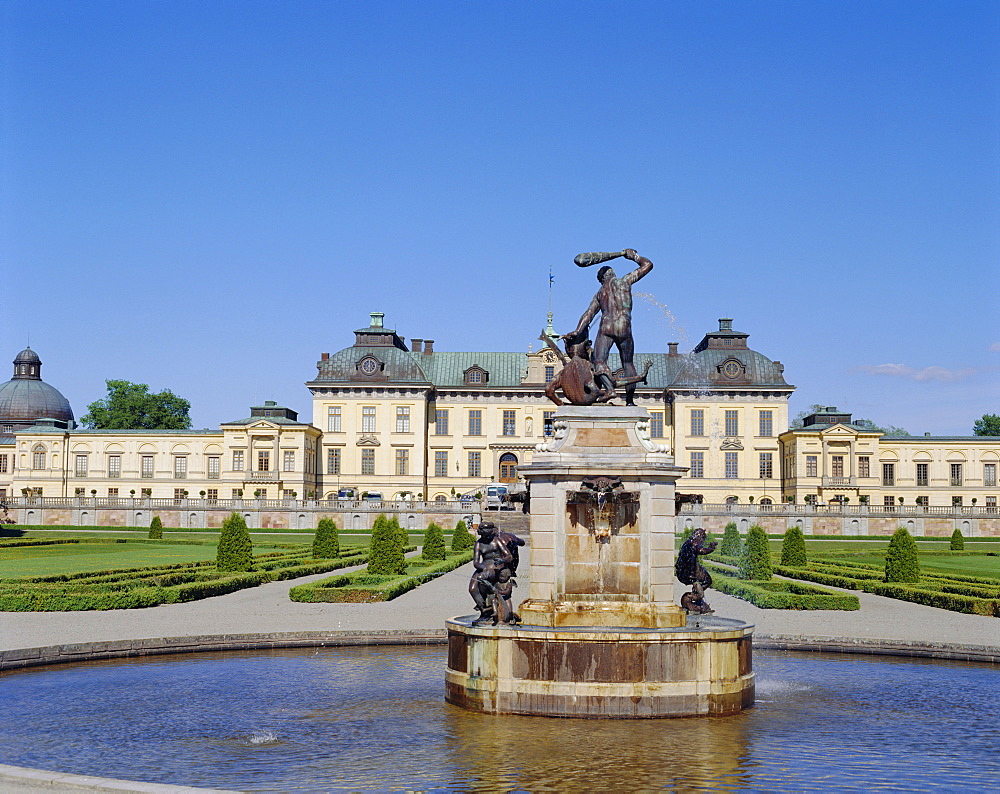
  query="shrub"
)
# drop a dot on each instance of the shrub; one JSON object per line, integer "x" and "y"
{"x": 793, "y": 548}
{"x": 386, "y": 555}
{"x": 755, "y": 561}
{"x": 461, "y": 538}
{"x": 957, "y": 540}
{"x": 782, "y": 595}
{"x": 687, "y": 533}
{"x": 901, "y": 563}
{"x": 235, "y": 549}
{"x": 731, "y": 544}
{"x": 326, "y": 543}
{"x": 404, "y": 536}
{"x": 156, "y": 528}
{"x": 434, "y": 543}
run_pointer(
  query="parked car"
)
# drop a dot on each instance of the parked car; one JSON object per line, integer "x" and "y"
{"x": 496, "y": 498}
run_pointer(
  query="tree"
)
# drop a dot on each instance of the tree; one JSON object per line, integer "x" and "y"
{"x": 755, "y": 562}
{"x": 155, "y": 528}
{"x": 731, "y": 543}
{"x": 461, "y": 538}
{"x": 793, "y": 548}
{"x": 326, "y": 543}
{"x": 957, "y": 540}
{"x": 901, "y": 562}
{"x": 386, "y": 554}
{"x": 434, "y": 543}
{"x": 988, "y": 425}
{"x": 131, "y": 406}
{"x": 235, "y": 551}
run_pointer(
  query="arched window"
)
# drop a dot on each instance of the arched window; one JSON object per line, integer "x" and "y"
{"x": 38, "y": 457}
{"x": 508, "y": 467}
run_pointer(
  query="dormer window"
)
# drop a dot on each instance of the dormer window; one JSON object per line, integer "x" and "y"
{"x": 476, "y": 376}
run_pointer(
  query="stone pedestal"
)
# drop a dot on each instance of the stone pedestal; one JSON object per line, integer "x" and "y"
{"x": 601, "y": 633}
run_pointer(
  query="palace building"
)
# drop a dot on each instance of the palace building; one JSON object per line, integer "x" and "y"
{"x": 400, "y": 420}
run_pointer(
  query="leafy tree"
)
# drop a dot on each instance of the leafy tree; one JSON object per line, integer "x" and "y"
{"x": 793, "y": 548}
{"x": 755, "y": 562}
{"x": 731, "y": 544}
{"x": 156, "y": 528}
{"x": 461, "y": 538}
{"x": 434, "y": 543}
{"x": 235, "y": 552}
{"x": 988, "y": 425}
{"x": 386, "y": 555}
{"x": 131, "y": 406}
{"x": 957, "y": 540}
{"x": 901, "y": 562}
{"x": 326, "y": 543}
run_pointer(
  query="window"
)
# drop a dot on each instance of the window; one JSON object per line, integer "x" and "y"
{"x": 146, "y": 467}
{"x": 38, "y": 458}
{"x": 333, "y": 419}
{"x": 698, "y": 422}
{"x": 864, "y": 466}
{"x": 811, "y": 467}
{"x": 145, "y": 493}
{"x": 237, "y": 493}
{"x": 237, "y": 460}
{"x": 991, "y": 504}
{"x": 440, "y": 463}
{"x": 956, "y": 473}
{"x": 263, "y": 460}
{"x": 402, "y": 419}
{"x": 732, "y": 423}
{"x": 547, "y": 418}
{"x": 368, "y": 461}
{"x": 888, "y": 501}
{"x": 766, "y": 423}
{"x": 441, "y": 422}
{"x": 956, "y": 501}
{"x": 180, "y": 467}
{"x": 732, "y": 466}
{"x": 508, "y": 467}
{"x": 888, "y": 474}
{"x": 509, "y": 423}
{"x": 212, "y": 494}
{"x": 114, "y": 465}
{"x": 402, "y": 462}
{"x": 79, "y": 492}
{"x": 333, "y": 461}
{"x": 923, "y": 474}
{"x": 550, "y": 374}
{"x": 697, "y": 464}
{"x": 288, "y": 460}
{"x": 112, "y": 493}
{"x": 178, "y": 494}
{"x": 989, "y": 474}
{"x": 214, "y": 464}
{"x": 3, "y": 464}
{"x": 922, "y": 501}
{"x": 475, "y": 423}
{"x": 766, "y": 465}
{"x": 81, "y": 465}
{"x": 837, "y": 465}
{"x": 475, "y": 376}
{"x": 368, "y": 419}
{"x": 656, "y": 424}
{"x": 475, "y": 464}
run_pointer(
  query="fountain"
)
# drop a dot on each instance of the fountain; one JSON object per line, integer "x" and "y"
{"x": 600, "y": 634}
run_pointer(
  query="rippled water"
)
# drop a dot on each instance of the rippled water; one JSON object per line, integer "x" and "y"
{"x": 375, "y": 719}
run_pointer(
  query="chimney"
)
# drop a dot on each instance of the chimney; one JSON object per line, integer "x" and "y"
{"x": 324, "y": 356}
{"x": 725, "y": 323}
{"x": 672, "y": 349}
{"x": 428, "y": 346}
{"x": 417, "y": 345}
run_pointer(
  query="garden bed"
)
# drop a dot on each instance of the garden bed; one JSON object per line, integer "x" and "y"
{"x": 780, "y": 594}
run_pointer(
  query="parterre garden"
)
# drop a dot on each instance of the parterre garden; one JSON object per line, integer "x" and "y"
{"x": 948, "y": 578}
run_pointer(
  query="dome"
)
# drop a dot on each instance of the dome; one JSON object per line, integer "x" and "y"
{"x": 26, "y": 397}
{"x": 32, "y": 399}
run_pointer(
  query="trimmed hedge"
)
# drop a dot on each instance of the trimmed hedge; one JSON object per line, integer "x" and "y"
{"x": 326, "y": 542}
{"x": 366, "y": 588}
{"x": 793, "y": 548}
{"x": 235, "y": 549}
{"x": 901, "y": 562}
{"x": 781, "y": 594}
{"x": 155, "y": 529}
{"x": 755, "y": 561}
{"x": 731, "y": 545}
{"x": 957, "y": 540}
{"x": 461, "y": 538}
{"x": 386, "y": 558}
{"x": 951, "y": 601}
{"x": 434, "y": 543}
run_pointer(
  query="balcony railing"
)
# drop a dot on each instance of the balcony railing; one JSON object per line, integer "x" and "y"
{"x": 263, "y": 476}
{"x": 839, "y": 482}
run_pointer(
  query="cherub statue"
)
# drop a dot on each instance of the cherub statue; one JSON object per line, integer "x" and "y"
{"x": 690, "y": 571}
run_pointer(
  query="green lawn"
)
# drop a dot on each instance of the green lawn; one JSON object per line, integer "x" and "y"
{"x": 80, "y": 557}
{"x": 929, "y": 563}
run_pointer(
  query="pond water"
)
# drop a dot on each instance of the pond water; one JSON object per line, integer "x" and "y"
{"x": 375, "y": 719}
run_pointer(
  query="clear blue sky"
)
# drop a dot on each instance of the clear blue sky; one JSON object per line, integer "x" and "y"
{"x": 206, "y": 196}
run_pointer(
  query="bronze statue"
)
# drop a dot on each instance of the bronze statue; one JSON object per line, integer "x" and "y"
{"x": 495, "y": 558}
{"x": 614, "y": 301}
{"x": 690, "y": 571}
{"x": 578, "y": 380}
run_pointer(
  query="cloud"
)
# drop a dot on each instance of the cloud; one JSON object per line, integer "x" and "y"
{"x": 942, "y": 374}
{"x": 995, "y": 347}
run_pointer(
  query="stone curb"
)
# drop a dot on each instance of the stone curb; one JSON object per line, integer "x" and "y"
{"x": 988, "y": 654}
{"x": 19, "y": 778}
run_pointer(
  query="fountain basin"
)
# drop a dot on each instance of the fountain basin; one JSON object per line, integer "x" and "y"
{"x": 701, "y": 669}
